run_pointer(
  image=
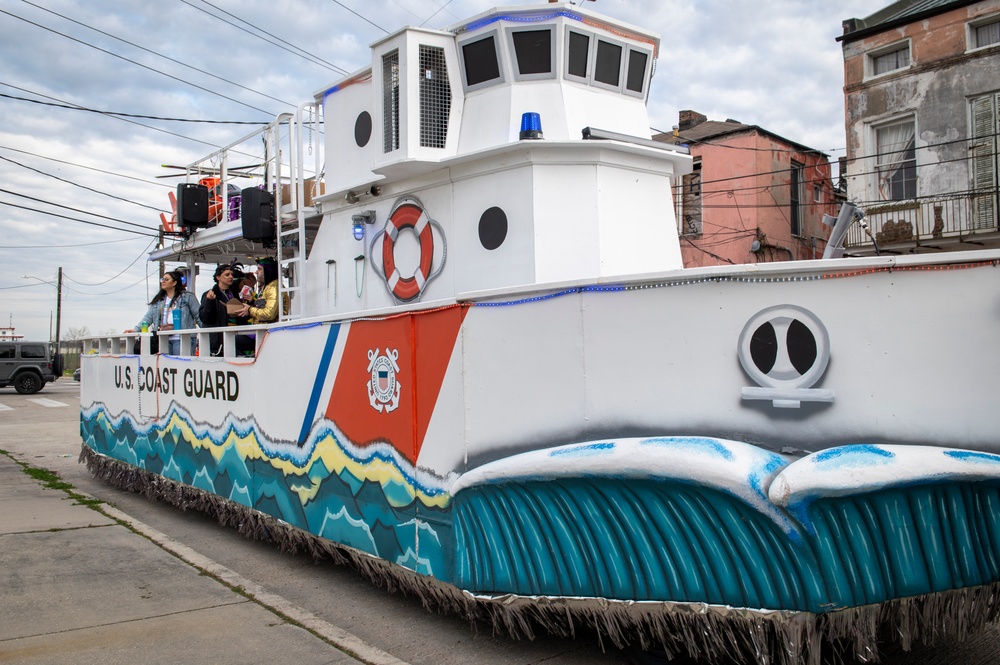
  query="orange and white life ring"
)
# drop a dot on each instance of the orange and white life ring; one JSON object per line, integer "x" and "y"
{"x": 407, "y": 215}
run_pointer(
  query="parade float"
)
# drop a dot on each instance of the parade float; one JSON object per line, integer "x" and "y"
{"x": 495, "y": 386}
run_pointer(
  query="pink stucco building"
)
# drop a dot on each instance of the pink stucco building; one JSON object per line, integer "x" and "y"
{"x": 753, "y": 196}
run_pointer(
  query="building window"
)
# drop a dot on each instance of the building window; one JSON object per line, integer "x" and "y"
{"x": 883, "y": 62}
{"x": 795, "y": 197}
{"x": 689, "y": 220}
{"x": 985, "y": 176}
{"x": 986, "y": 34}
{"x": 896, "y": 161}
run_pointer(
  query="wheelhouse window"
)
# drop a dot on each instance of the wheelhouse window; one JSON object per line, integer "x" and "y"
{"x": 635, "y": 71}
{"x": 481, "y": 62}
{"x": 534, "y": 53}
{"x": 885, "y": 61}
{"x": 896, "y": 162}
{"x": 577, "y": 55}
{"x": 608, "y": 64}
{"x": 985, "y": 34}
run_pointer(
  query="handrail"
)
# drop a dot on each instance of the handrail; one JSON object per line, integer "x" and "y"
{"x": 124, "y": 343}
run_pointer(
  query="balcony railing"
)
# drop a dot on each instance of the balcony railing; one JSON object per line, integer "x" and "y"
{"x": 924, "y": 221}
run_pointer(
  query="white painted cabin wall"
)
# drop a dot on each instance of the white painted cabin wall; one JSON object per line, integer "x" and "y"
{"x": 477, "y": 268}
{"x": 490, "y": 110}
{"x": 566, "y": 230}
{"x": 591, "y": 107}
{"x": 637, "y": 225}
{"x": 347, "y": 165}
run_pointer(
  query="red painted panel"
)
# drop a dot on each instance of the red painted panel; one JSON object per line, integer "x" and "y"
{"x": 390, "y": 377}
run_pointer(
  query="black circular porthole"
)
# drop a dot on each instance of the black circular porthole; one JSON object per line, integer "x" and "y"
{"x": 363, "y": 129}
{"x": 785, "y": 347}
{"x": 493, "y": 228}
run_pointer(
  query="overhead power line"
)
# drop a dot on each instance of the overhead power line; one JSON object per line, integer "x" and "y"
{"x": 132, "y": 115}
{"x": 84, "y": 166}
{"x": 160, "y": 55}
{"x": 65, "y": 207}
{"x": 138, "y": 64}
{"x": 132, "y": 122}
{"x": 75, "y": 184}
{"x": 122, "y": 272}
{"x": 76, "y": 244}
{"x": 366, "y": 20}
{"x": 301, "y": 53}
{"x": 75, "y": 219}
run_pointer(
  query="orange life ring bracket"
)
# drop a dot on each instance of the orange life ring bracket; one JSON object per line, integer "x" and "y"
{"x": 408, "y": 213}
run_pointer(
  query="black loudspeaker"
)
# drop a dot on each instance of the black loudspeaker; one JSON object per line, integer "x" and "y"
{"x": 192, "y": 204}
{"x": 257, "y": 212}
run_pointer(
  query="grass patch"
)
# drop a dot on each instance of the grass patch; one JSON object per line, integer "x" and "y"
{"x": 52, "y": 480}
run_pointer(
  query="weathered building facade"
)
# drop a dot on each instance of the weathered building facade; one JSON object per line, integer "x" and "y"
{"x": 753, "y": 196}
{"x": 922, "y": 104}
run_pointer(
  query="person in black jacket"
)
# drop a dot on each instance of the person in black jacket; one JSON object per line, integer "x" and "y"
{"x": 214, "y": 313}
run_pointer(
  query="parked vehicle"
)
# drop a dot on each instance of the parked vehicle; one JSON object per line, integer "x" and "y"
{"x": 28, "y": 366}
{"x": 76, "y": 374}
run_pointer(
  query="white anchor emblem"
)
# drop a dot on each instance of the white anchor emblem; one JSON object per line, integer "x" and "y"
{"x": 383, "y": 387}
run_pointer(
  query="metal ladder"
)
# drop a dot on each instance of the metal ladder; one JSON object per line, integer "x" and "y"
{"x": 291, "y": 215}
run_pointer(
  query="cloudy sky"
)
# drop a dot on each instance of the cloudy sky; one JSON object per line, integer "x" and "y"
{"x": 80, "y": 187}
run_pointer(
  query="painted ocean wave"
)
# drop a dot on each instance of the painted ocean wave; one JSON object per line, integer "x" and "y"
{"x": 612, "y": 519}
{"x": 685, "y": 519}
{"x": 366, "y": 498}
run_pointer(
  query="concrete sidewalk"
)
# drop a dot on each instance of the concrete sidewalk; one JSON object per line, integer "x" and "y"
{"x": 76, "y": 585}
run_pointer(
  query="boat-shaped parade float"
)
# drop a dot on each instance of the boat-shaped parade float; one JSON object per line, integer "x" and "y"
{"x": 495, "y": 386}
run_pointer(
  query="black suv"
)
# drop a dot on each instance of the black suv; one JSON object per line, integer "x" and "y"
{"x": 27, "y": 365}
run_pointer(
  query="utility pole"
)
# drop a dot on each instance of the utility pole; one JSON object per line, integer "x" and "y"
{"x": 59, "y": 316}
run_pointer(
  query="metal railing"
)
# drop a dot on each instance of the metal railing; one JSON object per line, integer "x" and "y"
{"x": 926, "y": 219}
{"x": 124, "y": 343}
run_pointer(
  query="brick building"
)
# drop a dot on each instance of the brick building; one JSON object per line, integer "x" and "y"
{"x": 753, "y": 196}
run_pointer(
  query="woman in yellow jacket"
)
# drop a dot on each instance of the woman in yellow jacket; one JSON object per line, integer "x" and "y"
{"x": 265, "y": 307}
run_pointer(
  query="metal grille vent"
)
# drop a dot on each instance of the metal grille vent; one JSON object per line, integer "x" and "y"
{"x": 435, "y": 97}
{"x": 390, "y": 101}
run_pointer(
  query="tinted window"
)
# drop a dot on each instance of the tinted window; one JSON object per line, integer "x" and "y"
{"x": 480, "y": 61}
{"x": 636, "y": 71}
{"x": 579, "y": 50}
{"x": 609, "y": 60}
{"x": 6, "y": 351}
{"x": 32, "y": 351}
{"x": 533, "y": 49}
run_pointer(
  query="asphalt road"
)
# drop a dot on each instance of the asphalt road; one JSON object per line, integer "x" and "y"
{"x": 43, "y": 430}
